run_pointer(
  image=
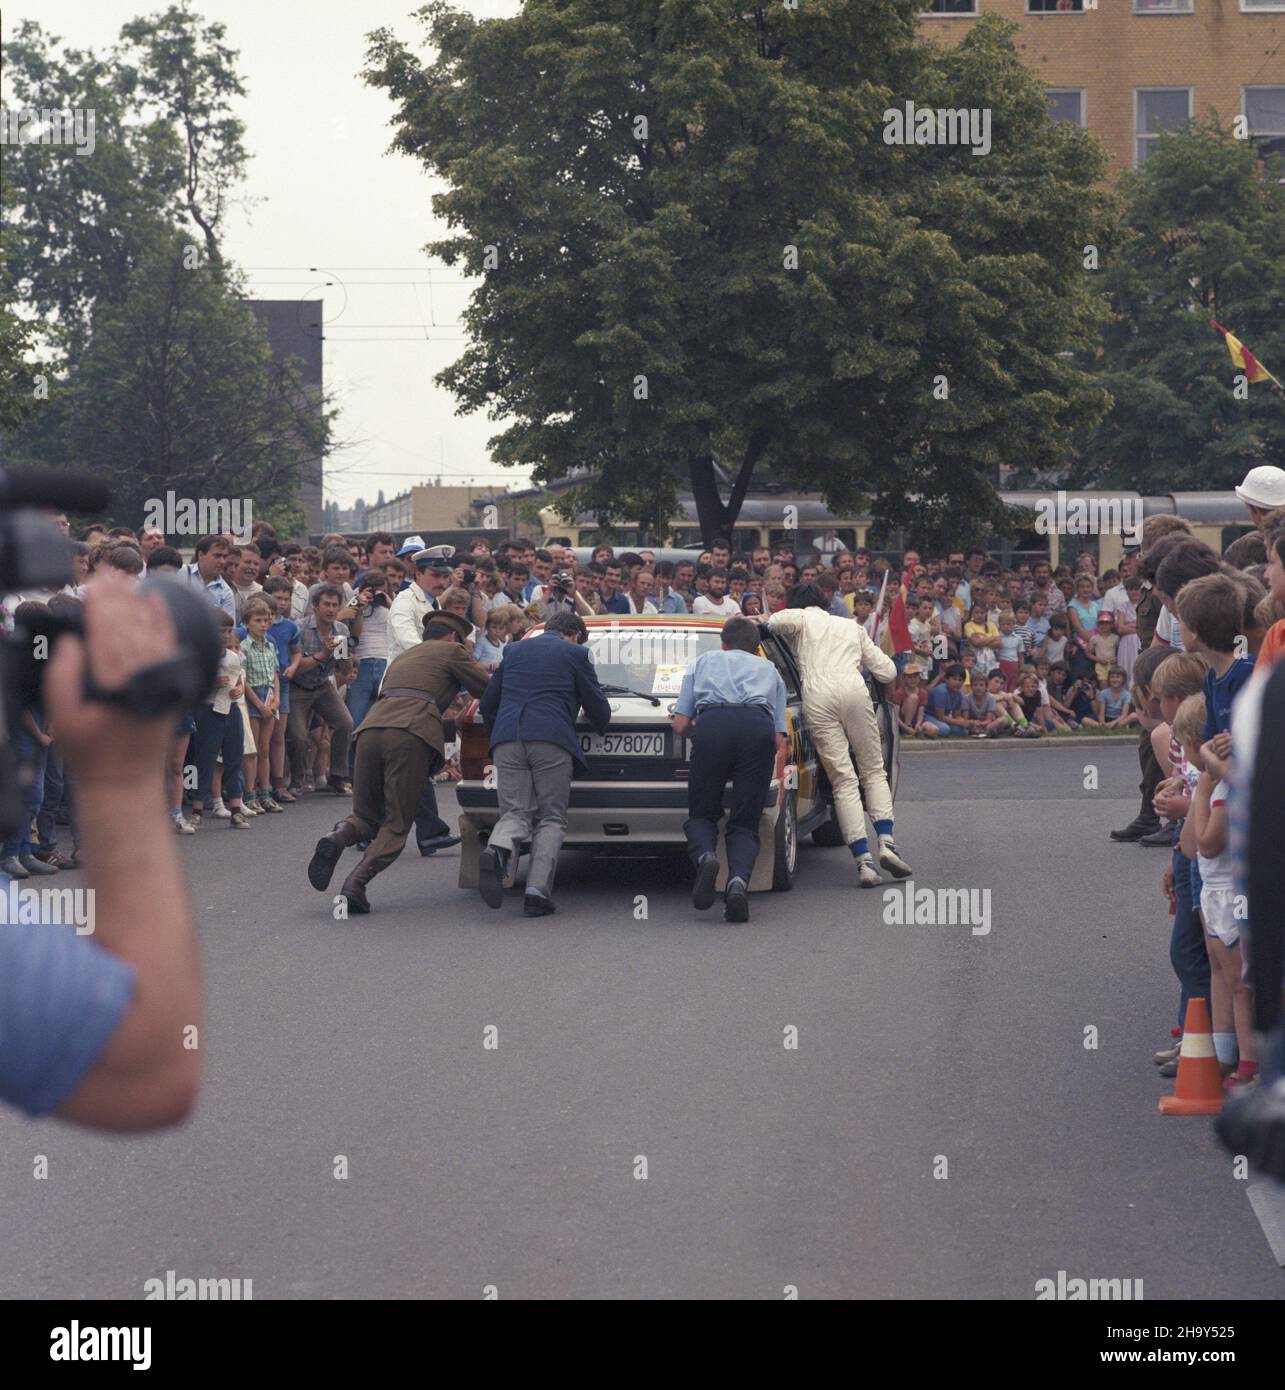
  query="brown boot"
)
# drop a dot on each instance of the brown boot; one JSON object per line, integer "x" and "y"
{"x": 326, "y": 855}
{"x": 354, "y": 888}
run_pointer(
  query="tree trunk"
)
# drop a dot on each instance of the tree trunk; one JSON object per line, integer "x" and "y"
{"x": 715, "y": 516}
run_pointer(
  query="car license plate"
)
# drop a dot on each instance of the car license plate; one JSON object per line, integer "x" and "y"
{"x": 623, "y": 745}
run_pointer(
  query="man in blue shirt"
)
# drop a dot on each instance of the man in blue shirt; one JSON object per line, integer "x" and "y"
{"x": 733, "y": 702}
{"x": 206, "y": 574}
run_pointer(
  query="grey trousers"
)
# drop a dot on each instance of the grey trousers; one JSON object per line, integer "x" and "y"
{"x": 533, "y": 783}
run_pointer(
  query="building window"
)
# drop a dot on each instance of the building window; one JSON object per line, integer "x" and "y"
{"x": 951, "y": 7}
{"x": 1066, "y": 105}
{"x": 1055, "y": 6}
{"x": 1156, "y": 109}
{"x": 1162, "y": 6}
{"x": 1264, "y": 109}
{"x": 1262, "y": 4}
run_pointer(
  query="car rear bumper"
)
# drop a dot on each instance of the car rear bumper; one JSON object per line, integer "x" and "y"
{"x": 605, "y": 813}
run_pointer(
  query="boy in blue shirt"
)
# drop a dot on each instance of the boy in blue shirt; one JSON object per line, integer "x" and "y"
{"x": 945, "y": 713}
{"x": 1211, "y": 621}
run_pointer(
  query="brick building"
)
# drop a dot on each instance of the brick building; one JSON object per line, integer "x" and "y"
{"x": 1127, "y": 68}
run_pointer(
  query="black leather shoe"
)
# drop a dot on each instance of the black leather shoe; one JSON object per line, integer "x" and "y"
{"x": 322, "y": 864}
{"x": 533, "y": 905}
{"x": 490, "y": 876}
{"x": 704, "y": 892}
{"x": 427, "y": 847}
{"x": 1136, "y": 829}
{"x": 1162, "y": 837}
{"x": 736, "y": 902}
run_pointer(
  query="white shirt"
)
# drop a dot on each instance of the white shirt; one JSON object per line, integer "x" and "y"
{"x": 373, "y": 642}
{"x": 648, "y": 605}
{"x": 1115, "y": 600}
{"x": 299, "y": 605}
{"x": 727, "y": 607}
{"x": 1167, "y": 630}
{"x": 406, "y": 619}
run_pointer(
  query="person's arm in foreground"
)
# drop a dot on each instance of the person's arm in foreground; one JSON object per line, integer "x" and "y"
{"x": 145, "y": 1076}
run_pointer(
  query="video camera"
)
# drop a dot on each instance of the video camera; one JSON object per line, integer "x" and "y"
{"x": 35, "y": 558}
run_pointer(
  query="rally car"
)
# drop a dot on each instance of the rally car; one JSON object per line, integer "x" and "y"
{"x": 634, "y": 792}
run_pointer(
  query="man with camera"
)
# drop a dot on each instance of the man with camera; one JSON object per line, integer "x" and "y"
{"x": 98, "y": 1029}
{"x": 559, "y": 595}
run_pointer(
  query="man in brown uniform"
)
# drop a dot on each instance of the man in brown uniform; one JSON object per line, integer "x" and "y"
{"x": 399, "y": 747}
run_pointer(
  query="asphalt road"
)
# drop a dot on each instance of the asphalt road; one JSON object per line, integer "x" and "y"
{"x": 619, "y": 1037}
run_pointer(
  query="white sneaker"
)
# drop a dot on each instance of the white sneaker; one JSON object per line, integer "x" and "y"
{"x": 248, "y": 808}
{"x": 182, "y": 827}
{"x": 889, "y": 859}
{"x": 867, "y": 872}
{"x": 219, "y": 811}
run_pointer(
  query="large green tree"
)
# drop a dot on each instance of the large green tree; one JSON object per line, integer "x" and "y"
{"x": 160, "y": 375}
{"x": 694, "y": 246}
{"x": 1203, "y": 240}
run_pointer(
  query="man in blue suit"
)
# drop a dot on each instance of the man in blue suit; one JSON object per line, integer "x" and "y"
{"x": 530, "y": 707}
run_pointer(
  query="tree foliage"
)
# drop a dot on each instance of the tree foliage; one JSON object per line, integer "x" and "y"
{"x": 1203, "y": 239}
{"x": 695, "y": 246}
{"x": 162, "y": 375}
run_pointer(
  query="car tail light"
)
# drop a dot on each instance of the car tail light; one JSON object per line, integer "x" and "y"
{"x": 474, "y": 751}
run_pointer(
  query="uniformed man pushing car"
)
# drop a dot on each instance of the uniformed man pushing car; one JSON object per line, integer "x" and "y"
{"x": 400, "y": 745}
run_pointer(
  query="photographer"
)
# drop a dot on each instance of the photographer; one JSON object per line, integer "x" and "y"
{"x": 559, "y": 595}
{"x": 94, "y": 1029}
{"x": 370, "y": 609}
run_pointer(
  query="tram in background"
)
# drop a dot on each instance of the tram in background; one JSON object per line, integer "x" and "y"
{"x": 1218, "y": 518}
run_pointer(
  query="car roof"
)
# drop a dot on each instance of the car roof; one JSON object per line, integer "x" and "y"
{"x": 711, "y": 623}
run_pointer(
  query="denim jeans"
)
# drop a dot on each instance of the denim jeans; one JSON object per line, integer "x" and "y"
{"x": 57, "y": 798}
{"x": 29, "y": 759}
{"x": 215, "y": 734}
{"x": 361, "y": 695}
{"x": 1187, "y": 952}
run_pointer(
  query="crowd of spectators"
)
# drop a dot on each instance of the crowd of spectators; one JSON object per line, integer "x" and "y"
{"x": 1163, "y": 644}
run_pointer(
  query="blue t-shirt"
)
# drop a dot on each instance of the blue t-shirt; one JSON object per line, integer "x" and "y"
{"x": 1114, "y": 703}
{"x": 283, "y": 634}
{"x": 61, "y": 999}
{"x": 1220, "y": 691}
{"x": 943, "y": 700}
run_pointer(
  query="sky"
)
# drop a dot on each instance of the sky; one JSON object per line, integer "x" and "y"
{"x": 335, "y": 216}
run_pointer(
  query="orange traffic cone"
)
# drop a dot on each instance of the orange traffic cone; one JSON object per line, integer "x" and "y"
{"x": 1199, "y": 1087}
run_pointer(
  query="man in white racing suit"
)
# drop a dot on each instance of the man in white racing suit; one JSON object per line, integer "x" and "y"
{"x": 830, "y": 653}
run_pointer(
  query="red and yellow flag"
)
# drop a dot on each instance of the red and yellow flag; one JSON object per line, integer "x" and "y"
{"x": 1242, "y": 356}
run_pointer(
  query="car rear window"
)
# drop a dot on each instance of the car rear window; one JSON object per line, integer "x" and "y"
{"x": 650, "y": 660}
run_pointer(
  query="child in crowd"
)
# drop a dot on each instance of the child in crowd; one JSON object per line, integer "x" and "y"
{"x": 1053, "y": 648}
{"x": 1102, "y": 646}
{"x": 910, "y": 696}
{"x": 283, "y": 633}
{"x": 1211, "y": 622}
{"x": 945, "y": 716}
{"x": 923, "y": 629}
{"x": 219, "y": 730}
{"x": 488, "y": 650}
{"x": 263, "y": 696}
{"x": 1059, "y": 683}
{"x": 1030, "y": 702}
{"x": 1174, "y": 680}
{"x": 1112, "y": 708}
{"x": 1037, "y": 624}
{"x": 968, "y": 660}
{"x": 982, "y": 709}
{"x": 1204, "y": 841}
{"x": 983, "y": 637}
{"x": 1010, "y": 649}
